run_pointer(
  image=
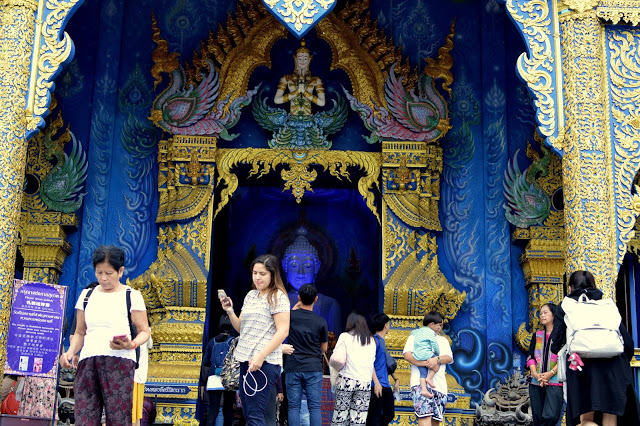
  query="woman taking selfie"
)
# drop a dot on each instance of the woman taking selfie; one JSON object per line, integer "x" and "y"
{"x": 263, "y": 325}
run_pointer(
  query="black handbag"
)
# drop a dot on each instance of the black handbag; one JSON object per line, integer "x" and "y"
{"x": 391, "y": 362}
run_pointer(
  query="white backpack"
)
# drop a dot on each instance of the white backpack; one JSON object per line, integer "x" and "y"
{"x": 592, "y": 327}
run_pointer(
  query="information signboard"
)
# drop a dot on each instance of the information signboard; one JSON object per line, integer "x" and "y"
{"x": 35, "y": 329}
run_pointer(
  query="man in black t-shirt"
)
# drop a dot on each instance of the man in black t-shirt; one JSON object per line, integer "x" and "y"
{"x": 308, "y": 340}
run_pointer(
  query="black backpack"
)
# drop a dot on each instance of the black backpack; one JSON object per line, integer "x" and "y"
{"x": 132, "y": 329}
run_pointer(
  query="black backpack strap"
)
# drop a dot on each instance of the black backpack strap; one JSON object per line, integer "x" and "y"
{"x": 86, "y": 298}
{"x": 132, "y": 329}
{"x": 90, "y": 289}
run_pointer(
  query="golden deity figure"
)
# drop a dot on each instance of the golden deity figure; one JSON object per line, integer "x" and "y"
{"x": 301, "y": 85}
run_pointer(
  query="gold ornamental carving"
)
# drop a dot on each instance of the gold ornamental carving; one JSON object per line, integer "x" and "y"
{"x": 587, "y": 161}
{"x": 43, "y": 230}
{"x": 298, "y": 174}
{"x": 624, "y": 70}
{"x": 185, "y": 178}
{"x": 244, "y": 43}
{"x": 417, "y": 286}
{"x": 367, "y": 79}
{"x": 580, "y": 5}
{"x": 411, "y": 182}
{"x": 52, "y": 50}
{"x": 17, "y": 24}
{"x": 541, "y": 69}
{"x": 176, "y": 278}
{"x": 619, "y": 11}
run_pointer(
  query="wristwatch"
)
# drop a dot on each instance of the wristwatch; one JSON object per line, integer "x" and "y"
{"x": 438, "y": 359}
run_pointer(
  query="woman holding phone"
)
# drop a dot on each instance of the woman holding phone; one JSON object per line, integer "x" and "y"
{"x": 104, "y": 379}
{"x": 263, "y": 325}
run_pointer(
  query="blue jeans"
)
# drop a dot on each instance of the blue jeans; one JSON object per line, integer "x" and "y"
{"x": 311, "y": 382}
{"x": 256, "y": 404}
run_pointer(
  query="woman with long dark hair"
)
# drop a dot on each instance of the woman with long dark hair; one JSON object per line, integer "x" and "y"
{"x": 263, "y": 325}
{"x": 545, "y": 391}
{"x": 604, "y": 387}
{"x": 353, "y": 387}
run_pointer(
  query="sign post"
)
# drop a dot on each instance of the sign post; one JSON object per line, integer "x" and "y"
{"x": 35, "y": 330}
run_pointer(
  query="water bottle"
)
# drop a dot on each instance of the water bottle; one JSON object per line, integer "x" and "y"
{"x": 396, "y": 394}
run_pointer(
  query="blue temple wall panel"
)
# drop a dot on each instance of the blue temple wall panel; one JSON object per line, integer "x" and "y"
{"x": 97, "y": 206}
{"x": 74, "y": 92}
{"x": 105, "y": 95}
{"x": 520, "y": 128}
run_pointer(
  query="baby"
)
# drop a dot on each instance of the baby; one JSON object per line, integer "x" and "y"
{"x": 425, "y": 346}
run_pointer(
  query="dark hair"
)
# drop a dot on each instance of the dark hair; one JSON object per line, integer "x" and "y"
{"x": 225, "y": 328}
{"x": 113, "y": 255}
{"x": 580, "y": 280}
{"x": 273, "y": 266}
{"x": 552, "y": 307}
{"x": 308, "y": 293}
{"x": 357, "y": 326}
{"x": 432, "y": 317}
{"x": 378, "y": 321}
{"x": 224, "y": 325}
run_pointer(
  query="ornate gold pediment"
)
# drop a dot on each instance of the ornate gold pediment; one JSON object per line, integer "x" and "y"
{"x": 297, "y": 172}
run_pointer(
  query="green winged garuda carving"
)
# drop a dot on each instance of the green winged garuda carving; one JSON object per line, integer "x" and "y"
{"x": 300, "y": 131}
{"x": 60, "y": 188}
{"x": 527, "y": 203}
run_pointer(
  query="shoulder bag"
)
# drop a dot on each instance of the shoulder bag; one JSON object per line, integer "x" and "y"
{"x": 10, "y": 404}
{"x": 230, "y": 374}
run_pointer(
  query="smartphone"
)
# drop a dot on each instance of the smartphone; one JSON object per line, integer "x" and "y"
{"x": 120, "y": 337}
{"x": 222, "y": 294}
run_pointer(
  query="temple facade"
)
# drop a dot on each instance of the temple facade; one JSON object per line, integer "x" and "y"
{"x": 463, "y": 157}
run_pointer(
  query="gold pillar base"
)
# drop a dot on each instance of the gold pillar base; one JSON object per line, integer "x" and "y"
{"x": 174, "y": 362}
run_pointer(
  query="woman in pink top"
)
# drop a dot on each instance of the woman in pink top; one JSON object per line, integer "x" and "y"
{"x": 545, "y": 391}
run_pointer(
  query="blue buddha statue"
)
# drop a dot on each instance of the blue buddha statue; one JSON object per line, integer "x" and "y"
{"x": 301, "y": 264}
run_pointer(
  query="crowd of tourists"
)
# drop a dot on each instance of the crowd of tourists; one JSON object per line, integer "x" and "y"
{"x": 360, "y": 363}
{"x": 273, "y": 355}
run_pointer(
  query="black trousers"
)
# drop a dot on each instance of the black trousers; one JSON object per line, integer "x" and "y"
{"x": 546, "y": 404}
{"x": 228, "y": 398}
{"x": 381, "y": 410}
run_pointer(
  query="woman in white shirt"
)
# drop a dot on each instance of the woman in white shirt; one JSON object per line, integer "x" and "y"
{"x": 263, "y": 325}
{"x": 353, "y": 387}
{"x": 104, "y": 379}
